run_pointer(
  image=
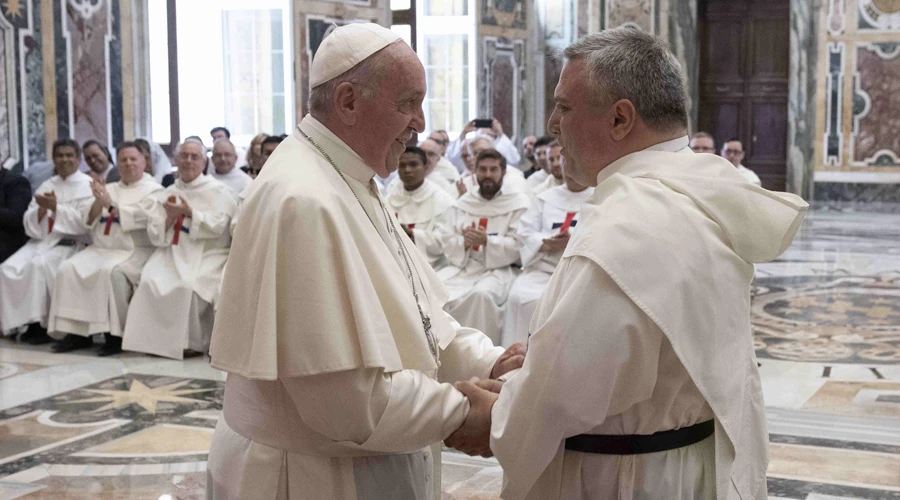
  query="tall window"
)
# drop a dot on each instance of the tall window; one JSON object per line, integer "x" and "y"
{"x": 234, "y": 68}
{"x": 446, "y": 46}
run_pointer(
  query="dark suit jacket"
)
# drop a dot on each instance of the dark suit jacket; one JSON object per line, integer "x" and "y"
{"x": 15, "y": 195}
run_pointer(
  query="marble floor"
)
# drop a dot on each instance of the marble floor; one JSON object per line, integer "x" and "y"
{"x": 826, "y": 325}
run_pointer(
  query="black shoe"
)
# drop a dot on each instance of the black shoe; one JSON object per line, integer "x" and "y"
{"x": 36, "y": 335}
{"x": 112, "y": 346}
{"x": 71, "y": 343}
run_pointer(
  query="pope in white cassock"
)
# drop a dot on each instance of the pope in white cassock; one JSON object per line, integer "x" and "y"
{"x": 420, "y": 206}
{"x": 171, "y": 313}
{"x": 94, "y": 287}
{"x": 481, "y": 246}
{"x": 54, "y": 223}
{"x": 641, "y": 380}
{"x": 330, "y": 324}
{"x": 544, "y": 232}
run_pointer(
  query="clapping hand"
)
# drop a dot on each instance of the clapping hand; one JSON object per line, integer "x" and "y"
{"x": 474, "y": 236}
{"x": 46, "y": 201}
{"x": 100, "y": 193}
{"x": 175, "y": 209}
{"x": 556, "y": 243}
{"x": 512, "y": 359}
{"x": 474, "y": 436}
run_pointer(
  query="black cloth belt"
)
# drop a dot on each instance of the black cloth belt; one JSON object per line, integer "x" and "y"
{"x": 68, "y": 242}
{"x": 639, "y": 444}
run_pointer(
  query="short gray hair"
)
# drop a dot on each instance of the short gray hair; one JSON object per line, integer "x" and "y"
{"x": 193, "y": 140}
{"x": 627, "y": 63}
{"x": 367, "y": 75}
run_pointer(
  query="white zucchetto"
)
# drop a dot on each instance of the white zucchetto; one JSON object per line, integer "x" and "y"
{"x": 346, "y": 47}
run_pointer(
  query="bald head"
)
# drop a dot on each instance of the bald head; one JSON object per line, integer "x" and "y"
{"x": 224, "y": 156}
{"x": 432, "y": 152}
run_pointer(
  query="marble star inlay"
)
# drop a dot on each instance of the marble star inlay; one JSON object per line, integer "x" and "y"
{"x": 13, "y": 8}
{"x": 141, "y": 395}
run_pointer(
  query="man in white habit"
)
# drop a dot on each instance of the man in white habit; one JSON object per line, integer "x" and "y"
{"x": 420, "y": 206}
{"x": 54, "y": 223}
{"x": 641, "y": 380}
{"x": 330, "y": 324}
{"x": 94, "y": 287}
{"x": 513, "y": 178}
{"x": 481, "y": 246}
{"x": 439, "y": 170}
{"x": 541, "y": 150}
{"x": 171, "y": 314}
{"x": 544, "y": 232}
{"x": 224, "y": 158}
{"x": 554, "y": 168}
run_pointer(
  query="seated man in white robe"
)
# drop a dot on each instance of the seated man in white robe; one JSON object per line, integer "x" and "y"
{"x": 439, "y": 170}
{"x": 641, "y": 379}
{"x": 171, "y": 314}
{"x": 224, "y": 159}
{"x": 420, "y": 206}
{"x": 513, "y": 178}
{"x": 481, "y": 247}
{"x": 733, "y": 151}
{"x": 339, "y": 356}
{"x": 53, "y": 221}
{"x": 94, "y": 287}
{"x": 544, "y": 232}
{"x": 541, "y": 150}
{"x": 555, "y": 169}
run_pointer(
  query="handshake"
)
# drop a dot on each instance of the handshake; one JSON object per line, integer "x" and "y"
{"x": 473, "y": 437}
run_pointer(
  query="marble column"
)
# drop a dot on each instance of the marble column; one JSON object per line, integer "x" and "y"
{"x": 802, "y": 96}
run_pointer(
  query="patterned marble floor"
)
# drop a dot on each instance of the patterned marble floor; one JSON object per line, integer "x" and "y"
{"x": 827, "y": 332}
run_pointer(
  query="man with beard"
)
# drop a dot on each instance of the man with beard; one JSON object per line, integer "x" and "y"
{"x": 420, "y": 205}
{"x": 554, "y": 168}
{"x": 513, "y": 178}
{"x": 527, "y": 165}
{"x": 480, "y": 245}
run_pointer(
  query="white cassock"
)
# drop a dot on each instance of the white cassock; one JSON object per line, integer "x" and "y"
{"x": 749, "y": 175}
{"x": 333, "y": 391}
{"x": 534, "y": 180}
{"x": 236, "y": 179}
{"x": 27, "y": 276}
{"x": 94, "y": 287}
{"x": 544, "y": 219}
{"x": 503, "y": 144}
{"x": 478, "y": 281}
{"x": 172, "y": 307}
{"x": 425, "y": 210}
{"x": 644, "y": 328}
{"x": 445, "y": 176}
{"x": 548, "y": 183}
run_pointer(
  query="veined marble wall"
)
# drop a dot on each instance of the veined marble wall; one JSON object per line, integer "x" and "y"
{"x": 313, "y": 21}
{"x": 857, "y": 138}
{"x": 60, "y": 74}
{"x": 502, "y": 36}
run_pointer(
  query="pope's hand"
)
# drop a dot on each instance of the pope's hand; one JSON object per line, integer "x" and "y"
{"x": 474, "y": 436}
{"x": 512, "y": 359}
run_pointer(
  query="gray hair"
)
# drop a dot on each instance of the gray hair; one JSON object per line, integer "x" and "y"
{"x": 366, "y": 75}
{"x": 627, "y": 63}
{"x": 193, "y": 140}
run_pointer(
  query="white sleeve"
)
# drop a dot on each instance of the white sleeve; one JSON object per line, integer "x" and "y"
{"x": 452, "y": 241}
{"x": 156, "y": 220}
{"x": 35, "y": 229}
{"x": 210, "y": 224}
{"x": 505, "y": 146}
{"x": 454, "y": 154}
{"x": 596, "y": 355}
{"x": 69, "y": 216}
{"x": 530, "y": 236}
{"x": 503, "y": 249}
{"x": 367, "y": 409}
{"x": 470, "y": 354}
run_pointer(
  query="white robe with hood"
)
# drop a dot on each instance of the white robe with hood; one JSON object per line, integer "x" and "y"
{"x": 427, "y": 209}
{"x": 645, "y": 327}
{"x": 333, "y": 391}
{"x": 27, "y": 276}
{"x": 85, "y": 299}
{"x": 542, "y": 221}
{"x": 172, "y": 308}
{"x": 478, "y": 280}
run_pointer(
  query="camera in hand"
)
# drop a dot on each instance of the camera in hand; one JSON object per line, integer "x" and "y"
{"x": 484, "y": 123}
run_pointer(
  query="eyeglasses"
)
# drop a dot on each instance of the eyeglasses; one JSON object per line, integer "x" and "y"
{"x": 190, "y": 156}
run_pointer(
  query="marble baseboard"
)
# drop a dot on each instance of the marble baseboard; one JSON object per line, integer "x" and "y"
{"x": 856, "y": 192}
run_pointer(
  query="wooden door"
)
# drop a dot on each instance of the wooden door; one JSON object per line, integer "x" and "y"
{"x": 744, "y": 65}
